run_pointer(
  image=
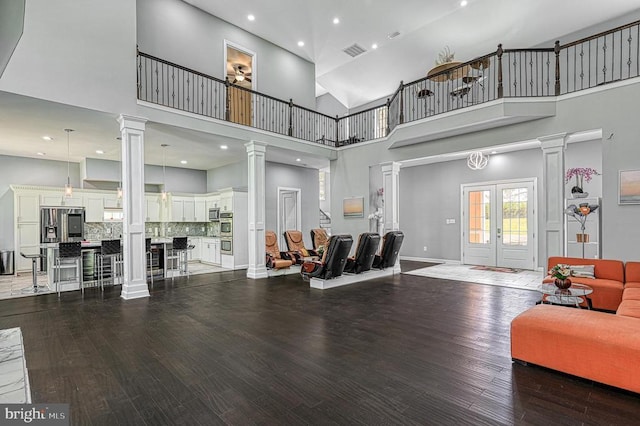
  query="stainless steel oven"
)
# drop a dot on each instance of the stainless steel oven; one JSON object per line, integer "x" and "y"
{"x": 226, "y": 224}
{"x": 226, "y": 245}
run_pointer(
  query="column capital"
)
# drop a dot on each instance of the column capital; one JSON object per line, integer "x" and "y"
{"x": 390, "y": 166}
{"x": 256, "y": 146}
{"x": 553, "y": 141}
{"x": 131, "y": 122}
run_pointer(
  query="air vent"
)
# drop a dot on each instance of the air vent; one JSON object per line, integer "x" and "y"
{"x": 354, "y": 50}
{"x": 393, "y": 35}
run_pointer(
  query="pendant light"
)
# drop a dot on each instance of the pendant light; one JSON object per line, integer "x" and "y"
{"x": 68, "y": 190}
{"x": 119, "y": 189}
{"x": 164, "y": 174}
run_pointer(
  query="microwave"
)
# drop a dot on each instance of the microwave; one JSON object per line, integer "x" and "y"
{"x": 214, "y": 215}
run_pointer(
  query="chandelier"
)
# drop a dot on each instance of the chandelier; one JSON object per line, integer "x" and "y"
{"x": 477, "y": 160}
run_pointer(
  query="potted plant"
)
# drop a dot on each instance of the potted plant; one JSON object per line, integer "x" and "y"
{"x": 582, "y": 174}
{"x": 561, "y": 273}
{"x": 580, "y": 213}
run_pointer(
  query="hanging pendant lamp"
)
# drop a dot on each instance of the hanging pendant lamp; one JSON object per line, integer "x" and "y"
{"x": 164, "y": 174}
{"x": 68, "y": 190}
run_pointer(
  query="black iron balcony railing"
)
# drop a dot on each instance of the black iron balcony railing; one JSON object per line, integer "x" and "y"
{"x": 606, "y": 57}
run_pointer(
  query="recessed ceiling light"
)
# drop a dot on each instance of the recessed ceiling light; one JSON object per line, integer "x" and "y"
{"x": 463, "y": 3}
{"x": 99, "y": 151}
{"x": 183, "y": 161}
{"x": 301, "y": 43}
{"x": 47, "y": 138}
{"x": 336, "y": 21}
{"x": 41, "y": 153}
{"x": 494, "y": 152}
{"x": 374, "y": 46}
{"x": 297, "y": 159}
{"x": 223, "y": 147}
{"x": 251, "y": 17}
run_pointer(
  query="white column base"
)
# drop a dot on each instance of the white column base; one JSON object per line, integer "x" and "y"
{"x": 257, "y": 272}
{"x": 346, "y": 279}
{"x": 132, "y": 290}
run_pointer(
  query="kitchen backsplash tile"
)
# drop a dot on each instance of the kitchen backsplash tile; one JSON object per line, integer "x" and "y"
{"x": 113, "y": 230}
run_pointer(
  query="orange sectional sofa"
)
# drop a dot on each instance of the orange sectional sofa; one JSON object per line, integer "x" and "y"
{"x": 599, "y": 346}
{"x": 608, "y": 283}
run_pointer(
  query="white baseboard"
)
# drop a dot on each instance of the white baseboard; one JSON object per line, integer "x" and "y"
{"x": 291, "y": 270}
{"x": 347, "y": 279}
{"x": 431, "y": 260}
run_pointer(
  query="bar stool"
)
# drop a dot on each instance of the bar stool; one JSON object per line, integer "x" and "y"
{"x": 147, "y": 244}
{"x": 35, "y": 288}
{"x": 111, "y": 252}
{"x": 178, "y": 257}
{"x": 69, "y": 256}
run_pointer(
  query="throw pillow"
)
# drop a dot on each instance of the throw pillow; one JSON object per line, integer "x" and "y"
{"x": 583, "y": 271}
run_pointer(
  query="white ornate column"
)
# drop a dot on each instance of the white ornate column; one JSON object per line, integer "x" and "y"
{"x": 256, "y": 157}
{"x": 391, "y": 209}
{"x": 134, "y": 283}
{"x": 553, "y": 189}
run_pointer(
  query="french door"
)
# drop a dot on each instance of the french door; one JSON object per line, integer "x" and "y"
{"x": 499, "y": 224}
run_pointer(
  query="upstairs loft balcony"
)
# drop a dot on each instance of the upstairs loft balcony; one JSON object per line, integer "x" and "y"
{"x": 537, "y": 75}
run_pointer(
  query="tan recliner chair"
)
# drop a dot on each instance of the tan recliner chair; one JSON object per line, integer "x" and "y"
{"x": 276, "y": 259}
{"x": 319, "y": 238}
{"x": 295, "y": 244}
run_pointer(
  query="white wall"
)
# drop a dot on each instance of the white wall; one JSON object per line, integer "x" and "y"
{"x": 178, "y": 32}
{"x": 77, "y": 52}
{"x": 282, "y": 175}
{"x": 327, "y": 104}
{"x": 612, "y": 109}
{"x": 11, "y": 25}
{"x": 234, "y": 175}
{"x": 28, "y": 171}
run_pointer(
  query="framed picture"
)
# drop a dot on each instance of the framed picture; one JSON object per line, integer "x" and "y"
{"x": 353, "y": 207}
{"x": 629, "y": 187}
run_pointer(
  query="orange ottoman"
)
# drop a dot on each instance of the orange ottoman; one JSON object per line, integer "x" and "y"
{"x": 589, "y": 344}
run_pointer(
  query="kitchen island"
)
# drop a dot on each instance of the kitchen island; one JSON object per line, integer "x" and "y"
{"x": 69, "y": 275}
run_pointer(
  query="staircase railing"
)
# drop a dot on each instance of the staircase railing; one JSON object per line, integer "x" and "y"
{"x": 603, "y": 58}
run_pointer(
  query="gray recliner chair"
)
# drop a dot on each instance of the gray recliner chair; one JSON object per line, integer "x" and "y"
{"x": 333, "y": 259}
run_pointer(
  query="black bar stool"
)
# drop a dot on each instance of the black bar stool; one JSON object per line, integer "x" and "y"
{"x": 69, "y": 256}
{"x": 178, "y": 257}
{"x": 109, "y": 261}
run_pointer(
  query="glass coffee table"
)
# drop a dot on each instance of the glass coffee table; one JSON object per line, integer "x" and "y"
{"x": 572, "y": 296}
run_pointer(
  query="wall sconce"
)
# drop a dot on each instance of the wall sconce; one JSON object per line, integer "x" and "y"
{"x": 477, "y": 160}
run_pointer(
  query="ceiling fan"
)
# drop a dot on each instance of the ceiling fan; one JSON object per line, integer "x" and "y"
{"x": 240, "y": 73}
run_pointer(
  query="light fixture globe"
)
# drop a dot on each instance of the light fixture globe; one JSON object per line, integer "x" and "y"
{"x": 477, "y": 160}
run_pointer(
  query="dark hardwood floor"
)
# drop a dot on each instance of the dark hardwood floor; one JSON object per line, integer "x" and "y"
{"x": 221, "y": 349}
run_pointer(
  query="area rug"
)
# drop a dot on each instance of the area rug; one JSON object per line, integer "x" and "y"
{"x": 496, "y": 269}
{"x": 526, "y": 280}
{"x": 14, "y": 380}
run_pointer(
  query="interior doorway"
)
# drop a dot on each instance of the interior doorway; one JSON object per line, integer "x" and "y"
{"x": 499, "y": 224}
{"x": 289, "y": 212}
{"x": 240, "y": 70}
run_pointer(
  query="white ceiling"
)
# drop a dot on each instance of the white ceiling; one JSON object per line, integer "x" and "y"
{"x": 24, "y": 121}
{"x": 426, "y": 27}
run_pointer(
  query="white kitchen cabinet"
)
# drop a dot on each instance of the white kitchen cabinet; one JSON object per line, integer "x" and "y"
{"x": 153, "y": 208}
{"x": 55, "y": 198}
{"x": 183, "y": 209}
{"x": 28, "y": 242}
{"x": 211, "y": 251}
{"x": 94, "y": 208}
{"x": 195, "y": 252}
{"x": 213, "y": 202}
{"x": 112, "y": 202}
{"x": 226, "y": 202}
{"x": 27, "y": 208}
{"x": 201, "y": 213}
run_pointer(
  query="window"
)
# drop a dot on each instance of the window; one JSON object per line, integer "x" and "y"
{"x": 380, "y": 130}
